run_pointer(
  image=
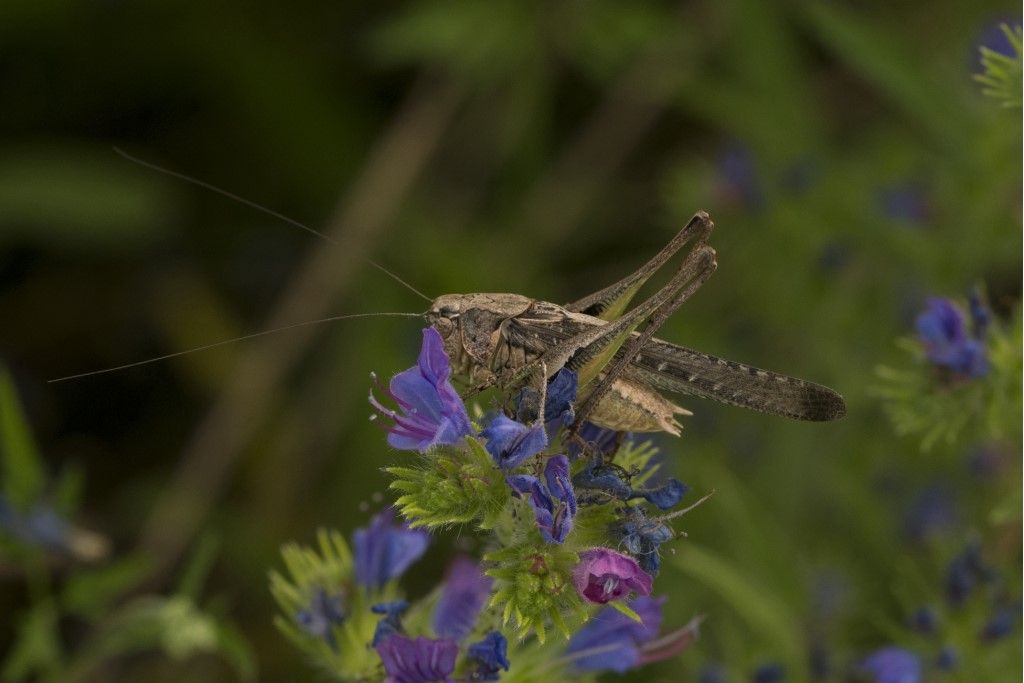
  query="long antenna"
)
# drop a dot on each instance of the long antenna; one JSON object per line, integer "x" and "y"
{"x": 259, "y": 207}
{"x": 230, "y": 341}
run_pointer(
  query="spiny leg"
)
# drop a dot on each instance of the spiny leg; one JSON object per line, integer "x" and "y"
{"x": 694, "y": 272}
{"x": 610, "y": 303}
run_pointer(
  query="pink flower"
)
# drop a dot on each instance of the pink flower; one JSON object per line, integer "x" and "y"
{"x": 603, "y": 575}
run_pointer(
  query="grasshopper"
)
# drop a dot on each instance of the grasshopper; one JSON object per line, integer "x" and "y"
{"x": 622, "y": 368}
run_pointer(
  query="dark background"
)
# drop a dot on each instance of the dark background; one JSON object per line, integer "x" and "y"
{"x": 850, "y": 162}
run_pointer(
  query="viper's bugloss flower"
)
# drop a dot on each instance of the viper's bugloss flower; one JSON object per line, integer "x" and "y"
{"x": 383, "y": 551}
{"x": 464, "y": 596}
{"x": 666, "y": 496}
{"x": 553, "y": 501}
{"x": 642, "y": 537}
{"x": 612, "y": 641}
{"x": 603, "y": 575}
{"x": 422, "y": 660}
{"x": 611, "y": 479}
{"x": 325, "y": 611}
{"x": 431, "y": 413}
{"x": 559, "y": 406}
{"x": 601, "y": 440}
{"x": 391, "y": 623}
{"x": 942, "y": 330}
{"x": 892, "y": 665}
{"x": 510, "y": 442}
{"x": 491, "y": 656}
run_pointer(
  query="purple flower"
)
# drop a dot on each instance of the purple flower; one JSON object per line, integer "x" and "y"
{"x": 611, "y": 641}
{"x": 603, "y": 575}
{"x": 941, "y": 328}
{"x": 432, "y": 413}
{"x": 323, "y": 614}
{"x": 491, "y": 655}
{"x": 930, "y": 511}
{"x": 383, "y": 551}
{"x": 510, "y": 442}
{"x": 417, "y": 661}
{"x": 553, "y": 501}
{"x": 465, "y": 594}
{"x": 892, "y": 665}
{"x": 925, "y": 620}
{"x": 392, "y": 621}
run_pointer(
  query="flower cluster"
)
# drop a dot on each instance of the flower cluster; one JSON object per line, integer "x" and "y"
{"x": 571, "y": 535}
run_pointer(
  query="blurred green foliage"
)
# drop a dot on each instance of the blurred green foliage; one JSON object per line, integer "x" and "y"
{"x": 849, "y": 158}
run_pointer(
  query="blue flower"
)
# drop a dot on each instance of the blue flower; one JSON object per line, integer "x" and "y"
{"x": 491, "y": 655}
{"x": 948, "y": 658}
{"x": 465, "y": 594}
{"x": 892, "y": 665}
{"x": 739, "y": 182}
{"x": 510, "y": 442}
{"x": 642, "y": 537}
{"x": 392, "y": 621}
{"x": 422, "y": 660}
{"x": 930, "y": 511}
{"x": 325, "y": 611}
{"x": 924, "y": 620}
{"x": 611, "y": 641}
{"x": 601, "y": 440}
{"x": 611, "y": 479}
{"x": 383, "y": 551}
{"x": 905, "y": 202}
{"x": 432, "y": 413}
{"x": 561, "y": 398}
{"x": 771, "y": 672}
{"x": 941, "y": 328}
{"x": 553, "y": 501}
{"x": 999, "y": 626}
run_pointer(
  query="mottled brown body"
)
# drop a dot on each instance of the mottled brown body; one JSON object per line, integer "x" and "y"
{"x": 489, "y": 337}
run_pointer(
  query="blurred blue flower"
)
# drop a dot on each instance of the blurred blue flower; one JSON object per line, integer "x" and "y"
{"x": 994, "y": 38}
{"x": 603, "y": 575}
{"x": 422, "y": 660}
{"x": 738, "y": 178}
{"x": 925, "y": 620}
{"x": 941, "y": 328}
{"x": 553, "y": 501}
{"x": 465, "y": 593}
{"x": 930, "y": 511}
{"x": 948, "y": 659}
{"x": 892, "y": 665}
{"x": 325, "y": 611}
{"x": 1000, "y": 625}
{"x": 510, "y": 443}
{"x": 711, "y": 673}
{"x": 904, "y": 202}
{"x": 383, "y": 551}
{"x": 964, "y": 572}
{"x": 491, "y": 655}
{"x": 611, "y": 641}
{"x": 770, "y": 672}
{"x": 432, "y": 413}
{"x": 40, "y": 526}
{"x": 392, "y": 621}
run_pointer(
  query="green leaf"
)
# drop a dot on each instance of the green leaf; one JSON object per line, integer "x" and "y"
{"x": 23, "y": 474}
{"x": 622, "y": 607}
{"x": 36, "y": 653}
{"x": 89, "y": 593}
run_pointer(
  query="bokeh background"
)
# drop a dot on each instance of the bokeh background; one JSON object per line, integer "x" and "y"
{"x": 850, "y": 162}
